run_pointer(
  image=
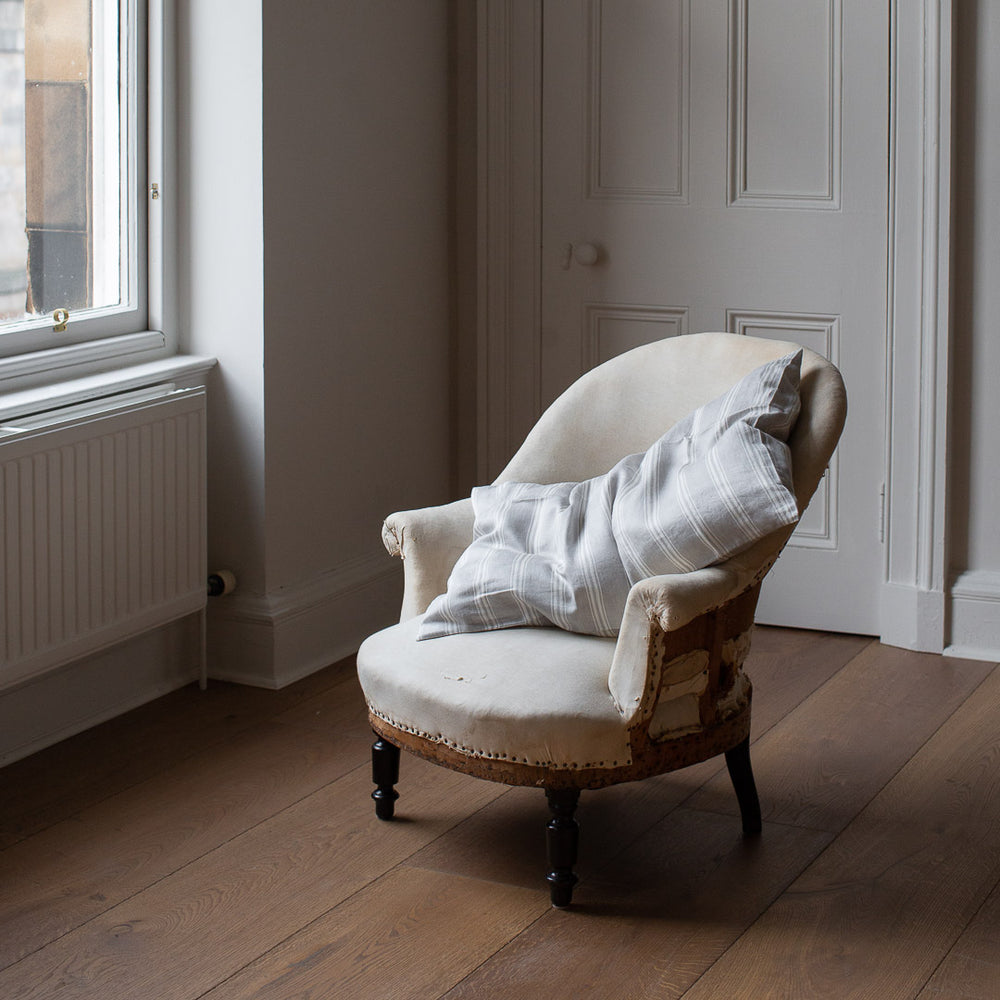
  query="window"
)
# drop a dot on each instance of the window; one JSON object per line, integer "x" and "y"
{"x": 74, "y": 194}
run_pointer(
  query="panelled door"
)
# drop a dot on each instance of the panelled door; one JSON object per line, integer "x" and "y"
{"x": 723, "y": 165}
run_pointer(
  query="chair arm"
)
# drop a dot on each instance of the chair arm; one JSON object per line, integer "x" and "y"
{"x": 668, "y": 603}
{"x": 429, "y": 541}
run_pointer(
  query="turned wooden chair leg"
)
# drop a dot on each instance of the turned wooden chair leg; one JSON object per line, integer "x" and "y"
{"x": 562, "y": 836}
{"x": 385, "y": 774}
{"x": 738, "y": 762}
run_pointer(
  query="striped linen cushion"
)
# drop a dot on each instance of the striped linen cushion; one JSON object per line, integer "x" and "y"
{"x": 567, "y": 554}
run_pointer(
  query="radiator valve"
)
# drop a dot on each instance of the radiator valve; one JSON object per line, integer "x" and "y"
{"x": 222, "y": 581}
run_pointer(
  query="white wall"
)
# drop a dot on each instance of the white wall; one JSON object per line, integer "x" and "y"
{"x": 975, "y": 403}
{"x": 356, "y": 275}
{"x": 221, "y": 266}
{"x": 83, "y": 694}
{"x": 315, "y": 143}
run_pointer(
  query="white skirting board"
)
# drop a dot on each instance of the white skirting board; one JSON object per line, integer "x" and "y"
{"x": 264, "y": 642}
{"x": 975, "y": 616}
{"x": 274, "y": 640}
{"x": 63, "y": 702}
{"x": 912, "y": 618}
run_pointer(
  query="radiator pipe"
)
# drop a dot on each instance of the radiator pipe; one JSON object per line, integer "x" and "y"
{"x": 222, "y": 581}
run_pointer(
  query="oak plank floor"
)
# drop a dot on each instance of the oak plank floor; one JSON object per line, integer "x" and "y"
{"x": 49, "y": 786}
{"x": 374, "y": 943}
{"x": 79, "y": 868}
{"x": 223, "y": 845}
{"x": 824, "y": 762}
{"x": 971, "y": 969}
{"x": 889, "y": 896}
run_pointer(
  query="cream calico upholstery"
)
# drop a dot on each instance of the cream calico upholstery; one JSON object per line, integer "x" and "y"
{"x": 535, "y": 695}
{"x": 538, "y": 706}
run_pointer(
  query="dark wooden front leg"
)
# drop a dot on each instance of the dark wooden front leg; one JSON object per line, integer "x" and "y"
{"x": 562, "y": 837}
{"x": 738, "y": 762}
{"x": 385, "y": 774}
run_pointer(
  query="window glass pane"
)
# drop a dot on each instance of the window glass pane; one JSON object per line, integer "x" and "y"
{"x": 13, "y": 242}
{"x": 63, "y": 226}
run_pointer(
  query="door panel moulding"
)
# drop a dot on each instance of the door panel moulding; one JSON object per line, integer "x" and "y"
{"x": 509, "y": 84}
{"x": 912, "y": 611}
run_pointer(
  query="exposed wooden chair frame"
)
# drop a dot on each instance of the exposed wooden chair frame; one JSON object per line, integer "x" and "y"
{"x": 716, "y": 630}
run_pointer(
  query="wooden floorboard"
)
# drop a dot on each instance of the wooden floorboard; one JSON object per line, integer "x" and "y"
{"x": 376, "y": 943}
{"x": 81, "y": 867}
{"x": 875, "y": 914}
{"x": 823, "y": 763}
{"x": 223, "y": 844}
{"x": 240, "y": 900}
{"x": 971, "y": 969}
{"x": 50, "y": 786}
{"x": 652, "y": 922}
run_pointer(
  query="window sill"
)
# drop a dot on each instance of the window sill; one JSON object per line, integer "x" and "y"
{"x": 182, "y": 369}
{"x": 55, "y": 363}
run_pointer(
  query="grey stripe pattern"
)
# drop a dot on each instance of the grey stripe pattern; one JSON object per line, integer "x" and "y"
{"x": 567, "y": 554}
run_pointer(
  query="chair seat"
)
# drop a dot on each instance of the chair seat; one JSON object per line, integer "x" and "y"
{"x": 533, "y": 695}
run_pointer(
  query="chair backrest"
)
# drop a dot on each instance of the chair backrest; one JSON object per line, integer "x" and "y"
{"x": 624, "y": 405}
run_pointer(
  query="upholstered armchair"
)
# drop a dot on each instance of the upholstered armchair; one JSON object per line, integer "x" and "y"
{"x": 564, "y": 711}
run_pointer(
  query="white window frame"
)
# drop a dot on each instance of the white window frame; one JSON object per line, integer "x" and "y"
{"x": 107, "y": 339}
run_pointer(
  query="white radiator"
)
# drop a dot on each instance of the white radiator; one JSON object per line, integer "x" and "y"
{"x": 102, "y": 525}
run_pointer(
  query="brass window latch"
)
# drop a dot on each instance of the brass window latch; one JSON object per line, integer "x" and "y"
{"x": 60, "y": 318}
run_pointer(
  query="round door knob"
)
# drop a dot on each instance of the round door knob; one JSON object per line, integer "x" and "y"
{"x": 586, "y": 254}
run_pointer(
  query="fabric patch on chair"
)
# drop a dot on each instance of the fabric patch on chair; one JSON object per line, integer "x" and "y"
{"x": 567, "y": 554}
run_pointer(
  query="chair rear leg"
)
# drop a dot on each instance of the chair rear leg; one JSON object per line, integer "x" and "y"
{"x": 738, "y": 762}
{"x": 562, "y": 836}
{"x": 385, "y": 774}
